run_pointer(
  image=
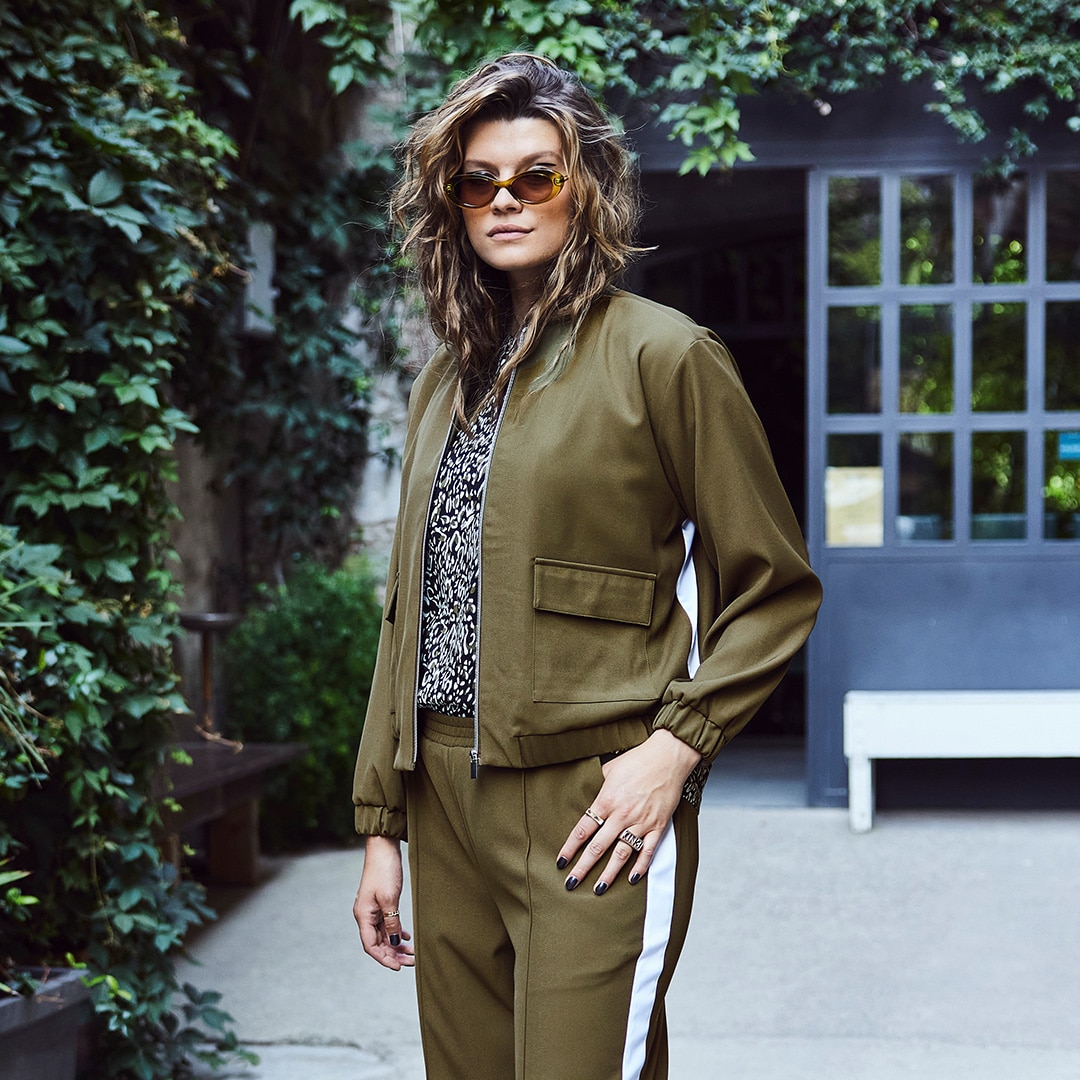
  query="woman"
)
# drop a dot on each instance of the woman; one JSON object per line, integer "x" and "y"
{"x": 596, "y": 580}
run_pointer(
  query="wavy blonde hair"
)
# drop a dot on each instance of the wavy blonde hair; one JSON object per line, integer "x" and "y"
{"x": 467, "y": 301}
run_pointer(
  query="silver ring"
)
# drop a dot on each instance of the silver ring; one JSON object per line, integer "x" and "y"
{"x": 627, "y": 837}
{"x": 590, "y": 813}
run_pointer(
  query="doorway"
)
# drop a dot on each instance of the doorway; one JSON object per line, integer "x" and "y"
{"x": 730, "y": 252}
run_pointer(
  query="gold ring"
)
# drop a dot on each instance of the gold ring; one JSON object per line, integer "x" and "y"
{"x": 392, "y": 914}
{"x": 590, "y": 813}
{"x": 627, "y": 837}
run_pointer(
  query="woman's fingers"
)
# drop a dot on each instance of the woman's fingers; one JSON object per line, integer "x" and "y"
{"x": 586, "y": 828}
{"x": 392, "y": 927}
{"x": 381, "y": 933}
{"x": 630, "y": 812}
{"x": 629, "y": 846}
{"x": 630, "y": 849}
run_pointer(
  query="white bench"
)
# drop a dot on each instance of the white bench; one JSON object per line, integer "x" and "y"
{"x": 951, "y": 724}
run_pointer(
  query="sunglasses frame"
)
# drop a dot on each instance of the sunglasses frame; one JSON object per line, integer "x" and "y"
{"x": 557, "y": 180}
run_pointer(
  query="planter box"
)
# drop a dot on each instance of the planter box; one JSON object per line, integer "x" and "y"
{"x": 39, "y": 1035}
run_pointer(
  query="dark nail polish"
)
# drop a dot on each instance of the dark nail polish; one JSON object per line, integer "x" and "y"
{"x": 635, "y": 878}
{"x": 601, "y": 888}
{"x": 571, "y": 883}
{"x": 560, "y": 863}
{"x": 395, "y": 940}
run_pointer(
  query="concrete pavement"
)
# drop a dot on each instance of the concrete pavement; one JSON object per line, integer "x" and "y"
{"x": 943, "y": 945}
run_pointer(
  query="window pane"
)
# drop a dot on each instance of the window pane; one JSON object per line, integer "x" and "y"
{"x": 854, "y": 360}
{"x": 1000, "y": 230}
{"x": 926, "y": 487}
{"x": 854, "y": 230}
{"x": 1061, "y": 495}
{"x": 926, "y": 358}
{"x": 998, "y": 358}
{"x": 854, "y": 491}
{"x": 1063, "y": 226}
{"x": 926, "y": 230}
{"x": 1063, "y": 355}
{"x": 997, "y": 486}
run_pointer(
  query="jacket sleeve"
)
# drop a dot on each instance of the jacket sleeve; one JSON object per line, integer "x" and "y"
{"x": 378, "y": 788}
{"x": 717, "y": 459}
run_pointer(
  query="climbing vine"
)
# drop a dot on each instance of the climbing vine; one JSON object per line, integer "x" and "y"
{"x": 107, "y": 243}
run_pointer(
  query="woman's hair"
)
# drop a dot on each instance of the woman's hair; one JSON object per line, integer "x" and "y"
{"x": 467, "y": 301}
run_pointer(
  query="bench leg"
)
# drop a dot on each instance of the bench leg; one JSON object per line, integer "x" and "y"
{"x": 860, "y": 794}
{"x": 233, "y": 845}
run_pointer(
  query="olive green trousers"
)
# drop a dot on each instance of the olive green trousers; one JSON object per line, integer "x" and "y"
{"x": 517, "y": 978}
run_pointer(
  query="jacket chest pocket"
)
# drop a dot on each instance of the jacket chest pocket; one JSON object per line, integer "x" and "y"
{"x": 590, "y": 633}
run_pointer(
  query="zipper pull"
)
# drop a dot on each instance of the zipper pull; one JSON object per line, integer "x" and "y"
{"x": 474, "y": 762}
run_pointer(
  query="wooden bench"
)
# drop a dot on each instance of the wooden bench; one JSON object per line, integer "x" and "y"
{"x": 951, "y": 724}
{"x": 221, "y": 789}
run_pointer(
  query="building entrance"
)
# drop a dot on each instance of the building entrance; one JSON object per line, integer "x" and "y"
{"x": 730, "y": 252}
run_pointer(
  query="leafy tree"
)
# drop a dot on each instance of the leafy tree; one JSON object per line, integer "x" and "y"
{"x": 691, "y": 60}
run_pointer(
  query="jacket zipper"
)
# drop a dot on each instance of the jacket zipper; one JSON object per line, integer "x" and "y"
{"x": 474, "y": 753}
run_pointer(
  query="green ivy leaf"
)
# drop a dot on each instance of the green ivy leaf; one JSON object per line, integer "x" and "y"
{"x": 10, "y": 346}
{"x": 118, "y": 570}
{"x": 106, "y": 186}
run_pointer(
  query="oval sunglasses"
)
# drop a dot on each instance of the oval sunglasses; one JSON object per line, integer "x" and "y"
{"x": 474, "y": 190}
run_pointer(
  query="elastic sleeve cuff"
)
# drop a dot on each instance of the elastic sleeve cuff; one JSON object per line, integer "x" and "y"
{"x": 381, "y": 821}
{"x": 692, "y": 728}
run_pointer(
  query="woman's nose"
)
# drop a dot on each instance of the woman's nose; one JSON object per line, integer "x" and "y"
{"x": 504, "y": 200}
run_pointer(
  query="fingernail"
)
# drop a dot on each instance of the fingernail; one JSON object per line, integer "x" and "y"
{"x": 635, "y": 878}
{"x": 560, "y": 863}
{"x": 395, "y": 940}
{"x": 571, "y": 883}
{"x": 601, "y": 888}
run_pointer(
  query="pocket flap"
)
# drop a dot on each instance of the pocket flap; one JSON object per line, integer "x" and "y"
{"x": 593, "y": 592}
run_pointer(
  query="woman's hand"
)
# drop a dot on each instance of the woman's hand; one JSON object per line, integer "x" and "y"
{"x": 376, "y": 905}
{"x": 641, "y": 790}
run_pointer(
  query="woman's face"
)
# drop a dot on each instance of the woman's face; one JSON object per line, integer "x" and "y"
{"x": 518, "y": 238}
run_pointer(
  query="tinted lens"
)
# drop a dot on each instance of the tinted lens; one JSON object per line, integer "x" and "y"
{"x": 532, "y": 187}
{"x": 474, "y": 190}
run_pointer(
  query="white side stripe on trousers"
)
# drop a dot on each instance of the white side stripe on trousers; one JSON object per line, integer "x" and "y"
{"x": 660, "y": 899}
{"x": 659, "y": 906}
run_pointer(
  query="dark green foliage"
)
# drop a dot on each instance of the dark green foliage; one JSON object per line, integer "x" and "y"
{"x": 299, "y": 670}
{"x": 106, "y": 243}
{"x": 691, "y": 60}
{"x": 125, "y": 201}
{"x": 287, "y": 412}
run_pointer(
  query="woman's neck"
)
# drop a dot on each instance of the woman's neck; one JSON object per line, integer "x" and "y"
{"x": 524, "y": 295}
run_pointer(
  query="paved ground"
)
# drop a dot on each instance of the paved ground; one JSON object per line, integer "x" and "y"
{"x": 943, "y": 945}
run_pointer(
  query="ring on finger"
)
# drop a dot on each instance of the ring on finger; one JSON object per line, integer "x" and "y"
{"x": 590, "y": 813}
{"x": 627, "y": 837}
{"x": 392, "y": 914}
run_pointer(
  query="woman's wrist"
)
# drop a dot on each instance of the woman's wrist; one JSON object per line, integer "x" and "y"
{"x": 376, "y": 845}
{"x": 683, "y": 754}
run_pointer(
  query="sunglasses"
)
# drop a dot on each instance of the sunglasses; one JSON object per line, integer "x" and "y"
{"x": 473, "y": 190}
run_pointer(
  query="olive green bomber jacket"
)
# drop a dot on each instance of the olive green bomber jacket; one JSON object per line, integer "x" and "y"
{"x": 584, "y": 645}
